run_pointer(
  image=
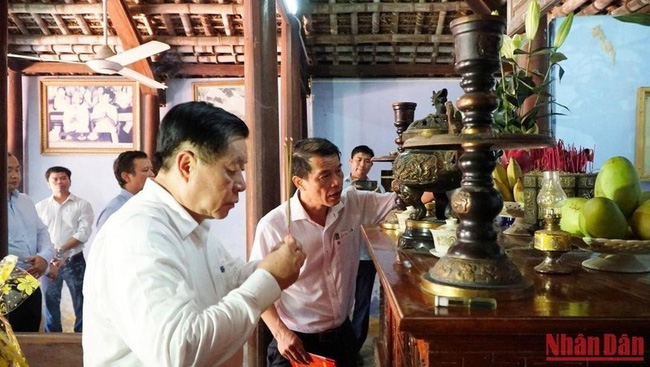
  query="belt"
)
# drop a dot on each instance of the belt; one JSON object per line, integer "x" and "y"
{"x": 330, "y": 335}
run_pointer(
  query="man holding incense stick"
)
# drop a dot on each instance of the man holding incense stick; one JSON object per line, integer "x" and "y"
{"x": 311, "y": 315}
{"x": 158, "y": 292}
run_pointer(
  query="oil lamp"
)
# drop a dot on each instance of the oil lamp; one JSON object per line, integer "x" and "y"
{"x": 551, "y": 239}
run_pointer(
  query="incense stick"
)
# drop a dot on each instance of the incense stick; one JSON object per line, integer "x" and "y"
{"x": 288, "y": 154}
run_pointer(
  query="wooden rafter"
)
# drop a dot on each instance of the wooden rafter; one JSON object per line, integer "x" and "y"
{"x": 630, "y": 7}
{"x": 19, "y": 23}
{"x": 439, "y": 28}
{"x": 187, "y": 25}
{"x": 122, "y": 20}
{"x": 334, "y": 21}
{"x": 61, "y": 24}
{"x": 41, "y": 24}
{"x": 227, "y": 26}
{"x": 169, "y": 25}
{"x": 375, "y": 19}
{"x": 82, "y": 24}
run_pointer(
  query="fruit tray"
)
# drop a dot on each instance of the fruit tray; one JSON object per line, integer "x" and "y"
{"x": 615, "y": 246}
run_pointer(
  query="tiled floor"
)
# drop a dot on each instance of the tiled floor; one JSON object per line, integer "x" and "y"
{"x": 368, "y": 349}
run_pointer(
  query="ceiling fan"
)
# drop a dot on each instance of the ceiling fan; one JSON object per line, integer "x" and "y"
{"x": 109, "y": 63}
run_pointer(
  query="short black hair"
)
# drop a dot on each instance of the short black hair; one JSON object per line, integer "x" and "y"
{"x": 362, "y": 149}
{"x": 201, "y": 124}
{"x": 124, "y": 163}
{"x": 305, "y": 149}
{"x": 57, "y": 169}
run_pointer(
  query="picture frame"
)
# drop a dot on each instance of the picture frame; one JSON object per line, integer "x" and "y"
{"x": 227, "y": 94}
{"x": 642, "y": 151}
{"x": 89, "y": 116}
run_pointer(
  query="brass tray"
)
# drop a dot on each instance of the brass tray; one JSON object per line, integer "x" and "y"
{"x": 494, "y": 140}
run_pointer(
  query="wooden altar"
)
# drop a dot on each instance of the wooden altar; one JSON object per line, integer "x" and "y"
{"x": 592, "y": 304}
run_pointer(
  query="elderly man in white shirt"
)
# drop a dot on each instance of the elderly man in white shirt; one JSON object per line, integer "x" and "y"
{"x": 312, "y": 314}
{"x": 157, "y": 293}
{"x": 69, "y": 220}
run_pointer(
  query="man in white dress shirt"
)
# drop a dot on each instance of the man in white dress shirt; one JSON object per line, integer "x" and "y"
{"x": 312, "y": 314}
{"x": 131, "y": 169}
{"x": 69, "y": 220}
{"x": 157, "y": 293}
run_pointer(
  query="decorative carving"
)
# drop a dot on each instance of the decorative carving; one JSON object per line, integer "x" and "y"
{"x": 475, "y": 272}
{"x": 460, "y": 202}
{"x": 417, "y": 171}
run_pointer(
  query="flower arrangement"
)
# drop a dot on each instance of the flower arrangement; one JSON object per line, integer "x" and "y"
{"x": 518, "y": 83}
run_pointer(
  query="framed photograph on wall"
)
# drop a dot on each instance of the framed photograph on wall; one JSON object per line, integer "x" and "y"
{"x": 227, "y": 94}
{"x": 642, "y": 151}
{"x": 89, "y": 116}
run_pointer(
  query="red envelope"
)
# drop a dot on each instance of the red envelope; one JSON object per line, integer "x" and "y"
{"x": 316, "y": 361}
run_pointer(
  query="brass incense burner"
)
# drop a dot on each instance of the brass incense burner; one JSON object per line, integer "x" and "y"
{"x": 418, "y": 170}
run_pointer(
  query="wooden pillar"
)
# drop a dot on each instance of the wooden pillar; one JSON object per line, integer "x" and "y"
{"x": 260, "y": 84}
{"x": 291, "y": 98}
{"x": 151, "y": 123}
{"x": 15, "y": 116}
{"x": 263, "y": 168}
{"x": 4, "y": 233}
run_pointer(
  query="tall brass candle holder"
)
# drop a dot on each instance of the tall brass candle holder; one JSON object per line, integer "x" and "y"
{"x": 475, "y": 265}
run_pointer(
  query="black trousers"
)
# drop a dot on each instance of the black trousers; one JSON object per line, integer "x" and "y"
{"x": 338, "y": 344}
{"x": 27, "y": 317}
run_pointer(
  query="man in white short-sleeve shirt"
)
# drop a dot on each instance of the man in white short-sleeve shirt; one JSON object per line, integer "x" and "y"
{"x": 312, "y": 314}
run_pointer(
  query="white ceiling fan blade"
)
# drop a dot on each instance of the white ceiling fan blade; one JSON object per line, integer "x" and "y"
{"x": 138, "y": 53}
{"x": 35, "y": 58}
{"x": 130, "y": 73}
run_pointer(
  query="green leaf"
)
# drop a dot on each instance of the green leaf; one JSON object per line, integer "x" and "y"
{"x": 532, "y": 19}
{"x": 636, "y": 18}
{"x": 542, "y": 51}
{"x": 557, "y": 57}
{"x": 561, "y": 73}
{"x": 516, "y": 41}
{"x": 563, "y": 31}
{"x": 506, "y": 47}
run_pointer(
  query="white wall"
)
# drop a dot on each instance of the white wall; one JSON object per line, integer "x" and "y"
{"x": 351, "y": 112}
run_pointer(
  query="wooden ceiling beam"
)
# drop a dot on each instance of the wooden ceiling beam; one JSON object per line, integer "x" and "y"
{"x": 381, "y": 70}
{"x": 379, "y": 38}
{"x": 115, "y": 40}
{"x": 379, "y": 7}
{"x": 212, "y": 70}
{"x": 121, "y": 18}
{"x": 148, "y": 9}
{"x": 56, "y": 68}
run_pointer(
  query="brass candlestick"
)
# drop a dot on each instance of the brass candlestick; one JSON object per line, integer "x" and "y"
{"x": 404, "y": 116}
{"x": 476, "y": 265}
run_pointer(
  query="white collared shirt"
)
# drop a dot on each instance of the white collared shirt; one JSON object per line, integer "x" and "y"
{"x": 72, "y": 218}
{"x": 157, "y": 294}
{"x": 324, "y": 293}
